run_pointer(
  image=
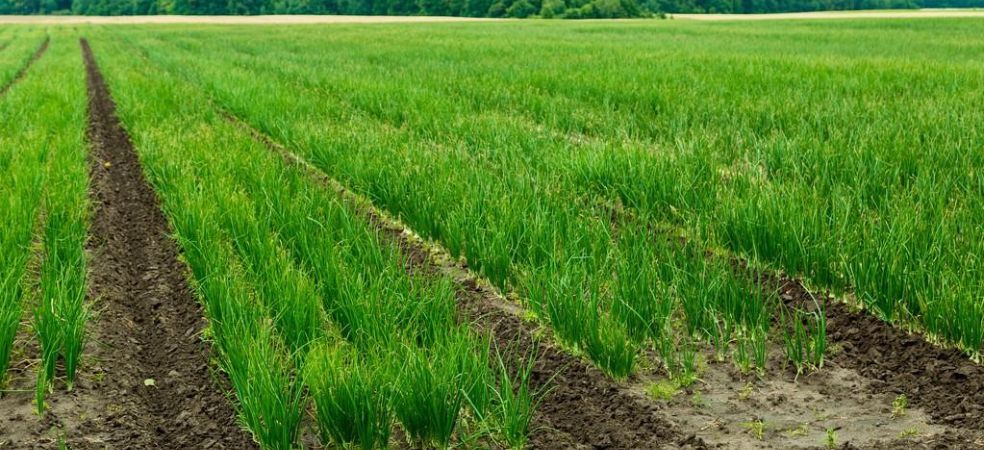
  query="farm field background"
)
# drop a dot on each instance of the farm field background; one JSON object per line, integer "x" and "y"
{"x": 624, "y": 234}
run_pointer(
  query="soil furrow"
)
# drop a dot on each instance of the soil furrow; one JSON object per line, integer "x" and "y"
{"x": 156, "y": 378}
{"x": 23, "y": 70}
{"x": 584, "y": 409}
{"x": 943, "y": 382}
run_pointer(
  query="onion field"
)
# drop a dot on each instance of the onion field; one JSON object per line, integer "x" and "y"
{"x": 502, "y": 234}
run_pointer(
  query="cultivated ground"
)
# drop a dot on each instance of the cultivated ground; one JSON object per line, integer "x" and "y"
{"x": 690, "y": 235}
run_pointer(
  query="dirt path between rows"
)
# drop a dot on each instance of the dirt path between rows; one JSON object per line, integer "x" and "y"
{"x": 944, "y": 383}
{"x": 155, "y": 389}
{"x": 23, "y": 70}
{"x": 585, "y": 409}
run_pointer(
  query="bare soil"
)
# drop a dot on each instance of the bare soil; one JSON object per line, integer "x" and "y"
{"x": 153, "y": 320}
{"x": 146, "y": 382}
{"x": 943, "y": 382}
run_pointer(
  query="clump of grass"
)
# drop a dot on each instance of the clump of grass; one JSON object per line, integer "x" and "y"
{"x": 611, "y": 349}
{"x": 909, "y": 433}
{"x": 516, "y": 400}
{"x": 48, "y": 331}
{"x": 899, "y": 406}
{"x": 269, "y": 389}
{"x": 756, "y": 428}
{"x": 667, "y": 388}
{"x": 802, "y": 430}
{"x": 663, "y": 390}
{"x": 428, "y": 398}
{"x": 10, "y": 312}
{"x": 804, "y": 338}
{"x": 351, "y": 399}
{"x": 830, "y": 440}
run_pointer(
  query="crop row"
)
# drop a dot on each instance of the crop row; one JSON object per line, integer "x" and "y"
{"x": 16, "y": 47}
{"x": 44, "y": 212}
{"x": 859, "y": 173}
{"x": 508, "y": 200}
{"x": 306, "y": 302}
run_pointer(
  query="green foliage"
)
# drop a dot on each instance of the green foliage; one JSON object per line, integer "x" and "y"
{"x": 428, "y": 399}
{"x": 23, "y": 159}
{"x": 573, "y": 9}
{"x": 44, "y": 200}
{"x": 565, "y": 200}
{"x": 516, "y": 400}
{"x": 521, "y": 9}
{"x": 287, "y": 269}
{"x": 351, "y": 399}
{"x": 830, "y": 439}
{"x": 569, "y": 187}
{"x": 899, "y": 406}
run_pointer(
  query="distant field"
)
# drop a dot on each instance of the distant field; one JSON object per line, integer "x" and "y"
{"x": 505, "y": 234}
{"x": 329, "y": 19}
{"x": 872, "y": 14}
{"x": 242, "y": 20}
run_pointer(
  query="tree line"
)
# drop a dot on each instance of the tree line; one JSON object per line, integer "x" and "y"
{"x": 569, "y": 9}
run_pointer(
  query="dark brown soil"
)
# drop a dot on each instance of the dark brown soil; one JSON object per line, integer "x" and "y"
{"x": 944, "y": 382}
{"x": 584, "y": 408}
{"x": 154, "y": 362}
{"x": 23, "y": 70}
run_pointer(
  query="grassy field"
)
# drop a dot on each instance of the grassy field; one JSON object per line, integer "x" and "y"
{"x": 643, "y": 194}
{"x": 854, "y": 171}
